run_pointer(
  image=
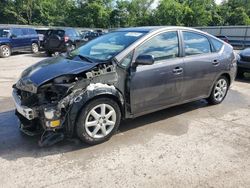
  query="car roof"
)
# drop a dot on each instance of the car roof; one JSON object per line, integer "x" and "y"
{"x": 148, "y": 29}
{"x": 63, "y": 29}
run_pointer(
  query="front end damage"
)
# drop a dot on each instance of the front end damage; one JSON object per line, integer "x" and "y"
{"x": 51, "y": 109}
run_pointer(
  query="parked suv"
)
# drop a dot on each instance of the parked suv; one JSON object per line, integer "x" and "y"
{"x": 62, "y": 40}
{"x": 123, "y": 74}
{"x": 18, "y": 39}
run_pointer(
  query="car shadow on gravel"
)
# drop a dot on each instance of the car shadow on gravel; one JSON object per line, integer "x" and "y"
{"x": 161, "y": 115}
{"x": 39, "y": 54}
{"x": 14, "y": 144}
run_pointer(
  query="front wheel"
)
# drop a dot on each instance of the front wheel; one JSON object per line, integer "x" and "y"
{"x": 5, "y": 51}
{"x": 219, "y": 91}
{"x": 98, "y": 121}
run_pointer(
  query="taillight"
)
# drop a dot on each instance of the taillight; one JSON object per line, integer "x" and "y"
{"x": 66, "y": 39}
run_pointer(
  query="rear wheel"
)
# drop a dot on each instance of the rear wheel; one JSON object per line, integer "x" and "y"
{"x": 219, "y": 91}
{"x": 35, "y": 48}
{"x": 98, "y": 121}
{"x": 5, "y": 51}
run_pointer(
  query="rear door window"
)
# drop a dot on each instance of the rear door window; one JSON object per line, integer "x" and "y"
{"x": 195, "y": 43}
{"x": 17, "y": 32}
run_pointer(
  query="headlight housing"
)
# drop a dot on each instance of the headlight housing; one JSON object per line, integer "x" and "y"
{"x": 26, "y": 85}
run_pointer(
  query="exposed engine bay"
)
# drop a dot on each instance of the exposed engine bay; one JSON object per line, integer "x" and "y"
{"x": 47, "y": 109}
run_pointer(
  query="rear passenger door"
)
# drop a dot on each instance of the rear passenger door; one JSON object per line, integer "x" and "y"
{"x": 27, "y": 38}
{"x": 201, "y": 65}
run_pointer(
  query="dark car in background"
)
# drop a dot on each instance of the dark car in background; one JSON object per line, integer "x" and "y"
{"x": 243, "y": 62}
{"x": 90, "y": 35}
{"x": 62, "y": 40}
{"x": 123, "y": 74}
{"x": 18, "y": 39}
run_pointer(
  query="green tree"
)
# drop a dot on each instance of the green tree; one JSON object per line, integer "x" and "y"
{"x": 169, "y": 12}
{"x": 239, "y": 17}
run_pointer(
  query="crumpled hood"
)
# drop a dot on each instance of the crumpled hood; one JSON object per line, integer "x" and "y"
{"x": 51, "y": 68}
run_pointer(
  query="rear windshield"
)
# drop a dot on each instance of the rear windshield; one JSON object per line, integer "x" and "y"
{"x": 4, "y": 32}
{"x": 60, "y": 33}
{"x": 43, "y": 32}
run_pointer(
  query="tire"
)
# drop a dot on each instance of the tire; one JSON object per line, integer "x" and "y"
{"x": 5, "y": 51}
{"x": 49, "y": 53}
{"x": 240, "y": 73}
{"x": 34, "y": 48}
{"x": 219, "y": 91}
{"x": 101, "y": 127}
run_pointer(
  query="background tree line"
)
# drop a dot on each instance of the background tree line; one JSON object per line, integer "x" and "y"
{"x": 123, "y": 13}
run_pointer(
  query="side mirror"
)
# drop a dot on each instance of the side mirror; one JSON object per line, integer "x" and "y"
{"x": 144, "y": 60}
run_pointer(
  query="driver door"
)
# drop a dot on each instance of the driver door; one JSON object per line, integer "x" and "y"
{"x": 153, "y": 87}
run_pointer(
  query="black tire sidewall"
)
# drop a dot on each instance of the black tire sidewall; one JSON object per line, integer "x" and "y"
{"x": 1, "y": 54}
{"x": 211, "y": 98}
{"x": 80, "y": 129}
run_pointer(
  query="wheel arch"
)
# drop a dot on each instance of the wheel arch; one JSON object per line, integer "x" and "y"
{"x": 6, "y": 43}
{"x": 88, "y": 96}
{"x": 226, "y": 74}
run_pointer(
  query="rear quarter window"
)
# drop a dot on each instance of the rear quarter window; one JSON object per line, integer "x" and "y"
{"x": 216, "y": 44}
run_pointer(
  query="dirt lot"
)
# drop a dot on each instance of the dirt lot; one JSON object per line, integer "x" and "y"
{"x": 192, "y": 145}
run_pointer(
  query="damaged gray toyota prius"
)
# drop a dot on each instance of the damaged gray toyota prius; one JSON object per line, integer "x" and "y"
{"x": 124, "y": 74}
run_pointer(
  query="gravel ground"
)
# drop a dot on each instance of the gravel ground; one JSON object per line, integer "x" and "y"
{"x": 191, "y": 145}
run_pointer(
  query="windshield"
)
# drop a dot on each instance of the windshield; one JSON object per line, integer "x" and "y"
{"x": 4, "y": 32}
{"x": 107, "y": 46}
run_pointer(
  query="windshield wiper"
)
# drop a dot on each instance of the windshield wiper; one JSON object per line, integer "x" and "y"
{"x": 86, "y": 58}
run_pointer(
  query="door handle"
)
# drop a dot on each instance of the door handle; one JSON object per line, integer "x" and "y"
{"x": 215, "y": 62}
{"x": 178, "y": 70}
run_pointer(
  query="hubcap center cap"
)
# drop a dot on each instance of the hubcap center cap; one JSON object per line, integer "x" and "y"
{"x": 101, "y": 120}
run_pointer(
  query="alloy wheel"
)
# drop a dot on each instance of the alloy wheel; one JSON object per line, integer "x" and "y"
{"x": 100, "y": 121}
{"x": 220, "y": 89}
{"x": 35, "y": 48}
{"x": 5, "y": 51}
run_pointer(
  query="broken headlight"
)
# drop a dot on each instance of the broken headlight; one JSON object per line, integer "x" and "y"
{"x": 26, "y": 85}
